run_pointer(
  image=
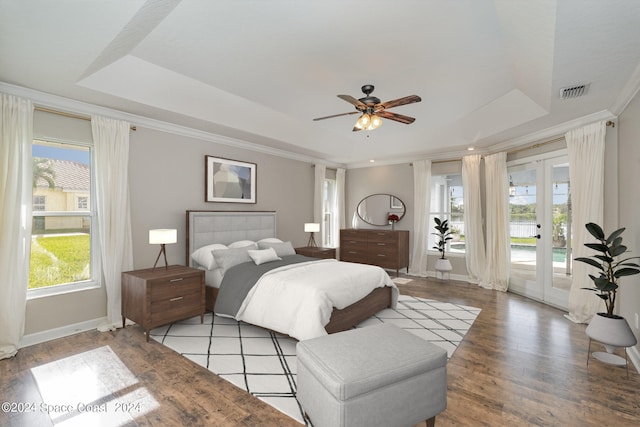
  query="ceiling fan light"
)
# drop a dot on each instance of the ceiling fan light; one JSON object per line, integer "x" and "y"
{"x": 376, "y": 122}
{"x": 363, "y": 122}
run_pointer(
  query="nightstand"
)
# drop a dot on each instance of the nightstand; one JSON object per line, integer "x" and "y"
{"x": 155, "y": 297}
{"x": 314, "y": 252}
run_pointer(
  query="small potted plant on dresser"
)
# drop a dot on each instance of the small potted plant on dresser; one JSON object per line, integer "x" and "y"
{"x": 608, "y": 328}
{"x": 443, "y": 265}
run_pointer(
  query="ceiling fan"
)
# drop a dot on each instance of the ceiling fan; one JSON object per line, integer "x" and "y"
{"x": 372, "y": 110}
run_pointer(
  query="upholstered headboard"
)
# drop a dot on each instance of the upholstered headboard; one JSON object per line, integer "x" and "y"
{"x": 225, "y": 227}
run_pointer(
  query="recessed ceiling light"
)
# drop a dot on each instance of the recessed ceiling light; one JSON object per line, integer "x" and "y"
{"x": 470, "y": 148}
{"x": 372, "y": 161}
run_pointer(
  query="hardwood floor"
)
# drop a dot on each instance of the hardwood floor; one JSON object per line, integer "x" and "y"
{"x": 522, "y": 363}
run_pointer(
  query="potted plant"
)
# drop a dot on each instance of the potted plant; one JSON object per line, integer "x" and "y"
{"x": 444, "y": 235}
{"x": 608, "y": 328}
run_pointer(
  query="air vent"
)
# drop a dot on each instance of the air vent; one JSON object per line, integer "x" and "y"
{"x": 573, "y": 91}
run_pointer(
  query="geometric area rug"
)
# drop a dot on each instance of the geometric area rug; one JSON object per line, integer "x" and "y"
{"x": 264, "y": 363}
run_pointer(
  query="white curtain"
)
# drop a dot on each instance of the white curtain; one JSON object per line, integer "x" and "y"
{"x": 340, "y": 201}
{"x": 16, "y": 183}
{"x": 318, "y": 208}
{"x": 473, "y": 234}
{"x": 586, "y": 174}
{"x": 421, "y": 206}
{"x": 111, "y": 148}
{"x": 498, "y": 251}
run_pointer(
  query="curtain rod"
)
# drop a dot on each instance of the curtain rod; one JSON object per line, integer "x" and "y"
{"x": 528, "y": 147}
{"x": 73, "y": 116}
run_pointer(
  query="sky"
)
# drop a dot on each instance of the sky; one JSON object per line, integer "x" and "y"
{"x": 79, "y": 155}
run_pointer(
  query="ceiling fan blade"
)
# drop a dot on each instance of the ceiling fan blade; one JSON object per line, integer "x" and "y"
{"x": 336, "y": 115}
{"x": 401, "y": 101}
{"x": 396, "y": 117}
{"x": 351, "y": 100}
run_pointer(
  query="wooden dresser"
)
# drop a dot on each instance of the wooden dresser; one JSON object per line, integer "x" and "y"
{"x": 384, "y": 248}
{"x": 155, "y": 297}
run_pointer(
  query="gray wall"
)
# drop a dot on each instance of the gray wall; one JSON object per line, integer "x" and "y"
{"x": 629, "y": 203}
{"x": 167, "y": 178}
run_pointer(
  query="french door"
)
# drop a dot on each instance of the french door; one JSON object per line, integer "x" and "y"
{"x": 540, "y": 229}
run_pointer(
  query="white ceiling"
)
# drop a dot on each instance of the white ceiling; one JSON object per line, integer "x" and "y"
{"x": 489, "y": 72}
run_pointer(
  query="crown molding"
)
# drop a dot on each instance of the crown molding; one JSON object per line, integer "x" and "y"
{"x": 628, "y": 92}
{"x": 68, "y": 105}
{"x": 551, "y": 132}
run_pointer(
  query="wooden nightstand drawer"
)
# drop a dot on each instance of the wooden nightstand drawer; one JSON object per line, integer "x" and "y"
{"x": 176, "y": 287}
{"x": 317, "y": 252}
{"x": 175, "y": 308}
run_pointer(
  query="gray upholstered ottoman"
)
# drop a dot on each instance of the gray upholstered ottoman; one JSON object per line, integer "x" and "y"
{"x": 372, "y": 376}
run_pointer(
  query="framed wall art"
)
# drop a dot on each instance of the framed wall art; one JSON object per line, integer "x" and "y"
{"x": 229, "y": 181}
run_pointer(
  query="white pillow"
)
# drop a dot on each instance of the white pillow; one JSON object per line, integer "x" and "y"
{"x": 282, "y": 249}
{"x": 204, "y": 257}
{"x": 242, "y": 244}
{"x": 260, "y": 256}
{"x": 227, "y": 258}
{"x": 269, "y": 240}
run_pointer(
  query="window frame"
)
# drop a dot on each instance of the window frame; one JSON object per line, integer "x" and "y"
{"x": 94, "y": 281}
{"x": 329, "y": 213}
{"x": 444, "y": 195}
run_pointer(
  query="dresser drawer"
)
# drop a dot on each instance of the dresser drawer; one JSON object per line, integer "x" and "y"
{"x": 353, "y": 235}
{"x": 383, "y": 237}
{"x": 382, "y": 249}
{"x": 354, "y": 256}
{"x": 165, "y": 289}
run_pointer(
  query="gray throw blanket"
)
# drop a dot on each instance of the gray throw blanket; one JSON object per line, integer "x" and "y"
{"x": 239, "y": 280}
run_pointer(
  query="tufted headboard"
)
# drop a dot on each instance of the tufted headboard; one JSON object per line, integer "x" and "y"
{"x": 225, "y": 227}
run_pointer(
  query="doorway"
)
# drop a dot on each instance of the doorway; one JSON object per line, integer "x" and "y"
{"x": 540, "y": 229}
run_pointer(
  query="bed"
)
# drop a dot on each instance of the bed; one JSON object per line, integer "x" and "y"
{"x": 211, "y": 232}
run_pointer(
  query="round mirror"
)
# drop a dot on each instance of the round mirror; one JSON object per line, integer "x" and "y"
{"x": 376, "y": 209}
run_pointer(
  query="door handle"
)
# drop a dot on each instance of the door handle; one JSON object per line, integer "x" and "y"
{"x": 537, "y": 236}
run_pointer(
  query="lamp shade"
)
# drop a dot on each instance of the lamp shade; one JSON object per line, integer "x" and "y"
{"x": 311, "y": 227}
{"x": 161, "y": 236}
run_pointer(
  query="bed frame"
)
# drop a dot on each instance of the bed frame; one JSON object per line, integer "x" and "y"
{"x": 225, "y": 227}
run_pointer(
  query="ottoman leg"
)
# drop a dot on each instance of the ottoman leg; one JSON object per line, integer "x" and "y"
{"x": 431, "y": 422}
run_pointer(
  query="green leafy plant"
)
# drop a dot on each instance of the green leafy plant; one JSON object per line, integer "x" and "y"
{"x": 444, "y": 235}
{"x": 611, "y": 268}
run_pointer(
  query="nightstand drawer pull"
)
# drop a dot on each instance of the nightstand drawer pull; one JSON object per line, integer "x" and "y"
{"x": 177, "y": 280}
{"x": 176, "y": 299}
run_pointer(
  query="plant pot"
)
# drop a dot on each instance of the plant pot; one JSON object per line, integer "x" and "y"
{"x": 612, "y": 332}
{"x": 443, "y": 264}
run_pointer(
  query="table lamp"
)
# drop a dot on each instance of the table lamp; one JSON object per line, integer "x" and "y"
{"x": 162, "y": 236}
{"x": 311, "y": 227}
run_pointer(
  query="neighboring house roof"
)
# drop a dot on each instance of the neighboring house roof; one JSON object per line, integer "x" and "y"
{"x": 69, "y": 176}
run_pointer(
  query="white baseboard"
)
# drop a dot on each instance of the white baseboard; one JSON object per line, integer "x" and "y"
{"x": 64, "y": 331}
{"x": 438, "y": 276}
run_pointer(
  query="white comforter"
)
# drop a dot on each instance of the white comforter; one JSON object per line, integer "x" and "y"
{"x": 312, "y": 289}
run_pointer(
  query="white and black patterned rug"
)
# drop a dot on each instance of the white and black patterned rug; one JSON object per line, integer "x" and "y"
{"x": 264, "y": 363}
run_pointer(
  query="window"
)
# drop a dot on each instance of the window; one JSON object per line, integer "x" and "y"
{"x": 330, "y": 213}
{"x": 39, "y": 203}
{"x": 63, "y": 215}
{"x": 83, "y": 202}
{"x": 447, "y": 203}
